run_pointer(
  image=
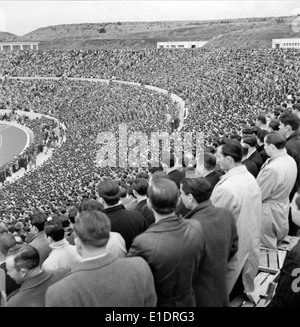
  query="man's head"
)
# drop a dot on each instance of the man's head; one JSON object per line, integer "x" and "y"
{"x": 91, "y": 231}
{"x": 249, "y": 141}
{"x": 140, "y": 187}
{"x": 194, "y": 191}
{"x": 36, "y": 222}
{"x": 229, "y": 154}
{"x": 109, "y": 192}
{"x": 289, "y": 123}
{"x": 163, "y": 196}
{"x": 156, "y": 176}
{"x": 274, "y": 142}
{"x": 72, "y": 214}
{"x": 21, "y": 260}
{"x": 210, "y": 161}
{"x": 261, "y": 121}
{"x": 7, "y": 241}
{"x": 54, "y": 230}
{"x": 261, "y": 136}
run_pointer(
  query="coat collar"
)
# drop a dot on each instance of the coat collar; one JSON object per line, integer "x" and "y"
{"x": 35, "y": 281}
{"x": 282, "y": 154}
{"x": 293, "y": 135}
{"x": 170, "y": 223}
{"x": 97, "y": 263}
{"x": 200, "y": 206}
{"x": 233, "y": 172}
{"x": 115, "y": 208}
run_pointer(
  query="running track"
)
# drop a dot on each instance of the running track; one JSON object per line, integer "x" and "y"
{"x": 12, "y": 142}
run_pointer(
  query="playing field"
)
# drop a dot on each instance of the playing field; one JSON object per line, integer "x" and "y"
{"x": 12, "y": 142}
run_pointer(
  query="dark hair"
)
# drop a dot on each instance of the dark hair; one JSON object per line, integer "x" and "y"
{"x": 90, "y": 205}
{"x": 261, "y": 135}
{"x": 250, "y": 140}
{"x": 200, "y": 188}
{"x": 109, "y": 190}
{"x": 140, "y": 185}
{"x": 158, "y": 175}
{"x": 6, "y": 242}
{"x": 54, "y": 229}
{"x": 232, "y": 148}
{"x": 25, "y": 256}
{"x": 236, "y": 136}
{"x": 288, "y": 118}
{"x": 262, "y": 119}
{"x": 92, "y": 227}
{"x": 276, "y": 138}
{"x": 72, "y": 213}
{"x": 274, "y": 124}
{"x": 38, "y": 220}
{"x": 163, "y": 195}
{"x": 210, "y": 161}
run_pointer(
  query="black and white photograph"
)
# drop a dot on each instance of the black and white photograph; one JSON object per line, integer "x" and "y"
{"x": 150, "y": 156}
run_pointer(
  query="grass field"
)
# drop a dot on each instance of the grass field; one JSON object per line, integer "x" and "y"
{"x": 12, "y": 142}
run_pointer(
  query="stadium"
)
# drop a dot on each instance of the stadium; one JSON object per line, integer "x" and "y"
{"x": 60, "y": 140}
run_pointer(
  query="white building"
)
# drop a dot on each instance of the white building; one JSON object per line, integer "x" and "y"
{"x": 12, "y": 46}
{"x": 181, "y": 44}
{"x": 293, "y": 43}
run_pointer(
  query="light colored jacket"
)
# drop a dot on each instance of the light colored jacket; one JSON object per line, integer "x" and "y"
{"x": 276, "y": 180}
{"x": 63, "y": 255}
{"x": 239, "y": 192}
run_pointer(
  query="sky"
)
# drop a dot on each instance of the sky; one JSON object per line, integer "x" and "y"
{"x": 22, "y": 17}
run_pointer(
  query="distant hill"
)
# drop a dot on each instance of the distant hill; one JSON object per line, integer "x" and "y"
{"x": 5, "y": 36}
{"x": 249, "y": 32}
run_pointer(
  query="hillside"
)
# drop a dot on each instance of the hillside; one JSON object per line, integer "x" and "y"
{"x": 220, "y": 33}
{"x": 5, "y": 36}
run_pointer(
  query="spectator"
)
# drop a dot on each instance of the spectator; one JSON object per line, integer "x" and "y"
{"x": 239, "y": 192}
{"x": 210, "y": 170}
{"x": 38, "y": 240}
{"x": 116, "y": 243}
{"x": 260, "y": 144}
{"x": 6, "y": 242}
{"x": 102, "y": 280}
{"x": 172, "y": 246}
{"x": 276, "y": 180}
{"x": 140, "y": 187}
{"x": 63, "y": 255}
{"x": 289, "y": 124}
{"x": 221, "y": 241}
{"x": 23, "y": 265}
{"x": 128, "y": 223}
{"x": 253, "y": 155}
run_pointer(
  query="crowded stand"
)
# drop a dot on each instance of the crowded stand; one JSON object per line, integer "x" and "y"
{"x": 236, "y": 97}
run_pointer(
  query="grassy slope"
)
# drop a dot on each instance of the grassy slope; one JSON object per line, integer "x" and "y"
{"x": 226, "y": 33}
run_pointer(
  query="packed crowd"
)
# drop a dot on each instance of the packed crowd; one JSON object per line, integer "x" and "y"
{"x": 225, "y": 91}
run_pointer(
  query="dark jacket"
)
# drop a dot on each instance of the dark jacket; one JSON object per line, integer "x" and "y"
{"x": 146, "y": 212}
{"x": 251, "y": 166}
{"x": 173, "y": 248}
{"x": 256, "y": 158}
{"x": 287, "y": 291}
{"x": 293, "y": 149}
{"x": 263, "y": 153}
{"x": 128, "y": 223}
{"x": 221, "y": 243}
{"x": 214, "y": 177}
